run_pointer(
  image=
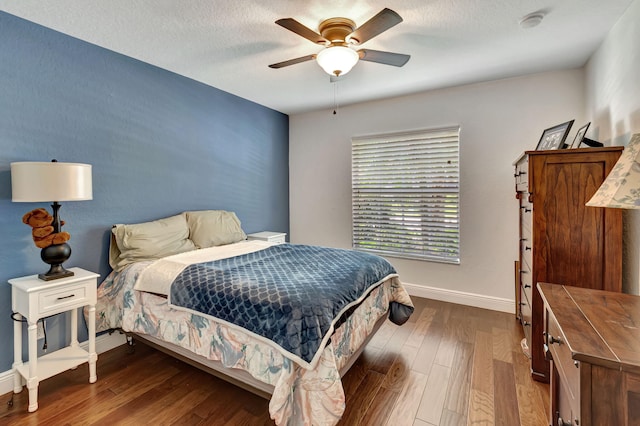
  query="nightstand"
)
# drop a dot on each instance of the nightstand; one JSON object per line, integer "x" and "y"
{"x": 33, "y": 299}
{"x": 272, "y": 237}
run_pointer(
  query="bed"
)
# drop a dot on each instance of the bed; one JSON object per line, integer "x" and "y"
{"x": 205, "y": 301}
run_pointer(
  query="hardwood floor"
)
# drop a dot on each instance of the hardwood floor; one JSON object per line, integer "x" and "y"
{"x": 449, "y": 365}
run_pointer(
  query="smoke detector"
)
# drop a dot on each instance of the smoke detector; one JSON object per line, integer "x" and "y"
{"x": 531, "y": 20}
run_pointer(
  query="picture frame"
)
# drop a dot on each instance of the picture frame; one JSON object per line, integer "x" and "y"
{"x": 554, "y": 137}
{"x": 577, "y": 140}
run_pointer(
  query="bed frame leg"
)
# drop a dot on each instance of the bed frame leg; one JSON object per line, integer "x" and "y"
{"x": 130, "y": 342}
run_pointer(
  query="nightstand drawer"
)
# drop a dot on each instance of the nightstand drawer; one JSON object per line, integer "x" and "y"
{"x": 62, "y": 298}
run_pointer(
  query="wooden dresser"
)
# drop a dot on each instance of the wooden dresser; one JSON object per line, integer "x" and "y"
{"x": 562, "y": 240}
{"x": 593, "y": 342}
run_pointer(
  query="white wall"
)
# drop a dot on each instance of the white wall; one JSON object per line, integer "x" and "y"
{"x": 613, "y": 107}
{"x": 498, "y": 119}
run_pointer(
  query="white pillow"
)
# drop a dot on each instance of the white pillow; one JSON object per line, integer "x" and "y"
{"x": 209, "y": 228}
{"x": 149, "y": 240}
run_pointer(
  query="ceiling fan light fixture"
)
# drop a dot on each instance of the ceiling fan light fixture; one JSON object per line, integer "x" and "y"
{"x": 337, "y": 60}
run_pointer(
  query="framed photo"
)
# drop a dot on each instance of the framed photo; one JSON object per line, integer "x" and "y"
{"x": 553, "y": 137}
{"x": 579, "y": 136}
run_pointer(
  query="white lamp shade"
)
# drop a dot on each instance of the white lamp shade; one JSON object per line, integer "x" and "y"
{"x": 621, "y": 188}
{"x": 52, "y": 181}
{"x": 337, "y": 60}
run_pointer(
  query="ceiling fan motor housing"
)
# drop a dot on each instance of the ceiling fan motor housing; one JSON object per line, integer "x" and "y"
{"x": 336, "y": 30}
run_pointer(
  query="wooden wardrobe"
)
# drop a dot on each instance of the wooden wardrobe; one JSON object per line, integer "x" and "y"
{"x": 562, "y": 240}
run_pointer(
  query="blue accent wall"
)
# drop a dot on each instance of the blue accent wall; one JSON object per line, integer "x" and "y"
{"x": 159, "y": 144}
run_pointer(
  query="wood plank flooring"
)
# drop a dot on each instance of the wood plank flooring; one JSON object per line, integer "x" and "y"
{"x": 449, "y": 365}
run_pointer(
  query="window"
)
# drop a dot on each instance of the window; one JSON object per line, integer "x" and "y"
{"x": 405, "y": 194}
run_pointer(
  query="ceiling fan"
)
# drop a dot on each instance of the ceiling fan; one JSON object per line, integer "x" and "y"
{"x": 339, "y": 35}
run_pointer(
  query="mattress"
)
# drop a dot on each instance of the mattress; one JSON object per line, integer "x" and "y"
{"x": 300, "y": 395}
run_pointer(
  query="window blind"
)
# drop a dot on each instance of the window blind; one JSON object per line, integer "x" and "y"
{"x": 405, "y": 194}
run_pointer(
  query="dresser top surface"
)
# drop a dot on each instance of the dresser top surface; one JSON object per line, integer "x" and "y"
{"x": 569, "y": 151}
{"x": 575, "y": 150}
{"x": 601, "y": 327}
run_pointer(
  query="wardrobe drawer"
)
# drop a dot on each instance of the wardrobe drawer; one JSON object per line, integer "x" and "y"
{"x": 525, "y": 308}
{"x": 522, "y": 174}
{"x": 526, "y": 254}
{"x": 525, "y": 317}
{"x": 525, "y": 282}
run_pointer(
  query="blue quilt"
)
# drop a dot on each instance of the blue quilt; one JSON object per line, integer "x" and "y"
{"x": 290, "y": 294}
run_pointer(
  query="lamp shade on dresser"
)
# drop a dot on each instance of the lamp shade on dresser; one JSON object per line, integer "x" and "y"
{"x": 561, "y": 240}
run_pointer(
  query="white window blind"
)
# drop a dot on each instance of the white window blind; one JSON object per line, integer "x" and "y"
{"x": 405, "y": 194}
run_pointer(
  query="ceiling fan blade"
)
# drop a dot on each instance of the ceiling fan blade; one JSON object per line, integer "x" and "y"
{"x": 292, "y": 61}
{"x": 295, "y": 26}
{"x": 387, "y": 58}
{"x": 384, "y": 20}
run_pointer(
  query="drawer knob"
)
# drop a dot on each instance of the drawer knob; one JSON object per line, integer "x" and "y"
{"x": 526, "y": 323}
{"x": 553, "y": 340}
{"x": 527, "y": 286}
{"x": 561, "y": 422}
{"x": 527, "y": 248}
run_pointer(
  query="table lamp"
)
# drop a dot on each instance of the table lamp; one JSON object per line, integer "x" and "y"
{"x": 52, "y": 181}
{"x": 621, "y": 188}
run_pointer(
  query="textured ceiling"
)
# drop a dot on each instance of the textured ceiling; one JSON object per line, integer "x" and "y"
{"x": 228, "y": 44}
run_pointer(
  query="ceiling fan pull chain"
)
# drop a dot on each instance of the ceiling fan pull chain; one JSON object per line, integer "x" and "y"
{"x": 335, "y": 98}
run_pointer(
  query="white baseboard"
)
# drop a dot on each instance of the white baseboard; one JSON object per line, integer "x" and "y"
{"x": 461, "y": 298}
{"x": 104, "y": 343}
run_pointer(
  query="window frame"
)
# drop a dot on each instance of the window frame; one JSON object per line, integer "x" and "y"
{"x": 427, "y": 181}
